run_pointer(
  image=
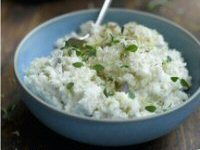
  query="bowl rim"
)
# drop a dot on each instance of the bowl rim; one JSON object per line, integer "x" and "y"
{"x": 76, "y": 116}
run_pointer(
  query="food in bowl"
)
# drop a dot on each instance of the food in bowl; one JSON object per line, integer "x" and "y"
{"x": 117, "y": 73}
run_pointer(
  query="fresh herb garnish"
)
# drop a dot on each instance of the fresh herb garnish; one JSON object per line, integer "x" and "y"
{"x": 98, "y": 67}
{"x": 113, "y": 40}
{"x": 131, "y": 48}
{"x": 117, "y": 85}
{"x": 110, "y": 79}
{"x": 131, "y": 95}
{"x": 123, "y": 55}
{"x": 70, "y": 85}
{"x": 125, "y": 66}
{"x": 150, "y": 108}
{"x": 108, "y": 93}
{"x": 77, "y": 64}
{"x": 66, "y": 45}
{"x": 88, "y": 51}
{"x": 122, "y": 29}
{"x": 74, "y": 43}
{"x": 174, "y": 79}
{"x": 89, "y": 47}
{"x": 184, "y": 83}
{"x": 69, "y": 52}
{"x": 169, "y": 59}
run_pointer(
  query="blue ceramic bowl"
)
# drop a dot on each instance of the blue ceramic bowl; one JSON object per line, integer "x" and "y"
{"x": 40, "y": 41}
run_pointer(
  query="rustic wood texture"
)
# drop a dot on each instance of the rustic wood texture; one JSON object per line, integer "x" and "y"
{"x": 22, "y": 130}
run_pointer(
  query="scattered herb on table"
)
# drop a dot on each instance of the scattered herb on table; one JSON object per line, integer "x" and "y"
{"x": 7, "y": 112}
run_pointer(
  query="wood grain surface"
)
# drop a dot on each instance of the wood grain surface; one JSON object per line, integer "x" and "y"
{"x": 21, "y": 130}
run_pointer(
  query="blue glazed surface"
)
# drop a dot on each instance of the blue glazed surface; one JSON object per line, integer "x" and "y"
{"x": 40, "y": 42}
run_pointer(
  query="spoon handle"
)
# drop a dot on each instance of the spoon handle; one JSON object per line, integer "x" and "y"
{"x": 102, "y": 13}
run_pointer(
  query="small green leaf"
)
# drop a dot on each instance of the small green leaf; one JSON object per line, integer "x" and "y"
{"x": 184, "y": 83}
{"x": 116, "y": 41}
{"x": 107, "y": 94}
{"x": 150, "y": 108}
{"x": 78, "y": 64}
{"x": 66, "y": 45}
{"x": 122, "y": 29}
{"x": 117, "y": 85}
{"x": 131, "y": 48}
{"x": 70, "y": 85}
{"x": 89, "y": 47}
{"x": 73, "y": 42}
{"x": 8, "y": 111}
{"x": 125, "y": 66}
{"x": 174, "y": 79}
{"x": 88, "y": 51}
{"x": 70, "y": 52}
{"x": 169, "y": 59}
{"x": 131, "y": 95}
{"x": 78, "y": 53}
{"x": 98, "y": 67}
{"x": 113, "y": 40}
{"x": 110, "y": 79}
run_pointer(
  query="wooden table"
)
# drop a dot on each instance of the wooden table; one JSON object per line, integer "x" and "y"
{"x": 21, "y": 130}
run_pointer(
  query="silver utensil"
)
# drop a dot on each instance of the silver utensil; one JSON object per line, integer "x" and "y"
{"x": 99, "y": 20}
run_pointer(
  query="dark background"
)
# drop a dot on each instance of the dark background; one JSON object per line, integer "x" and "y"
{"x": 20, "y": 129}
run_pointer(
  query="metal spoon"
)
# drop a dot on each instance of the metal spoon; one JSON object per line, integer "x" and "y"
{"x": 102, "y": 13}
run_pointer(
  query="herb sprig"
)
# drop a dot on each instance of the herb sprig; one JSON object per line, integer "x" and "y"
{"x": 77, "y": 64}
{"x": 108, "y": 93}
{"x": 150, "y": 108}
{"x": 98, "y": 67}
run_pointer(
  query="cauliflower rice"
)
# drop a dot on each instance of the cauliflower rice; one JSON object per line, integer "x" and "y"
{"x": 118, "y": 73}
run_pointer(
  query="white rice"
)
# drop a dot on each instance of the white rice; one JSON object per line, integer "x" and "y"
{"x": 131, "y": 83}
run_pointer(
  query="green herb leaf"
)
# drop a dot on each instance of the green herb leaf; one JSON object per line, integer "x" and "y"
{"x": 78, "y": 53}
{"x": 113, "y": 40}
{"x": 78, "y": 64}
{"x": 70, "y": 85}
{"x": 8, "y": 111}
{"x": 169, "y": 59}
{"x": 66, "y": 45}
{"x": 125, "y": 66}
{"x": 107, "y": 94}
{"x": 184, "y": 83}
{"x": 131, "y": 95}
{"x": 70, "y": 52}
{"x": 117, "y": 85}
{"x": 174, "y": 79}
{"x": 88, "y": 51}
{"x": 98, "y": 67}
{"x": 110, "y": 79}
{"x": 75, "y": 43}
{"x": 116, "y": 41}
{"x": 150, "y": 108}
{"x": 122, "y": 29}
{"x": 89, "y": 47}
{"x": 131, "y": 48}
